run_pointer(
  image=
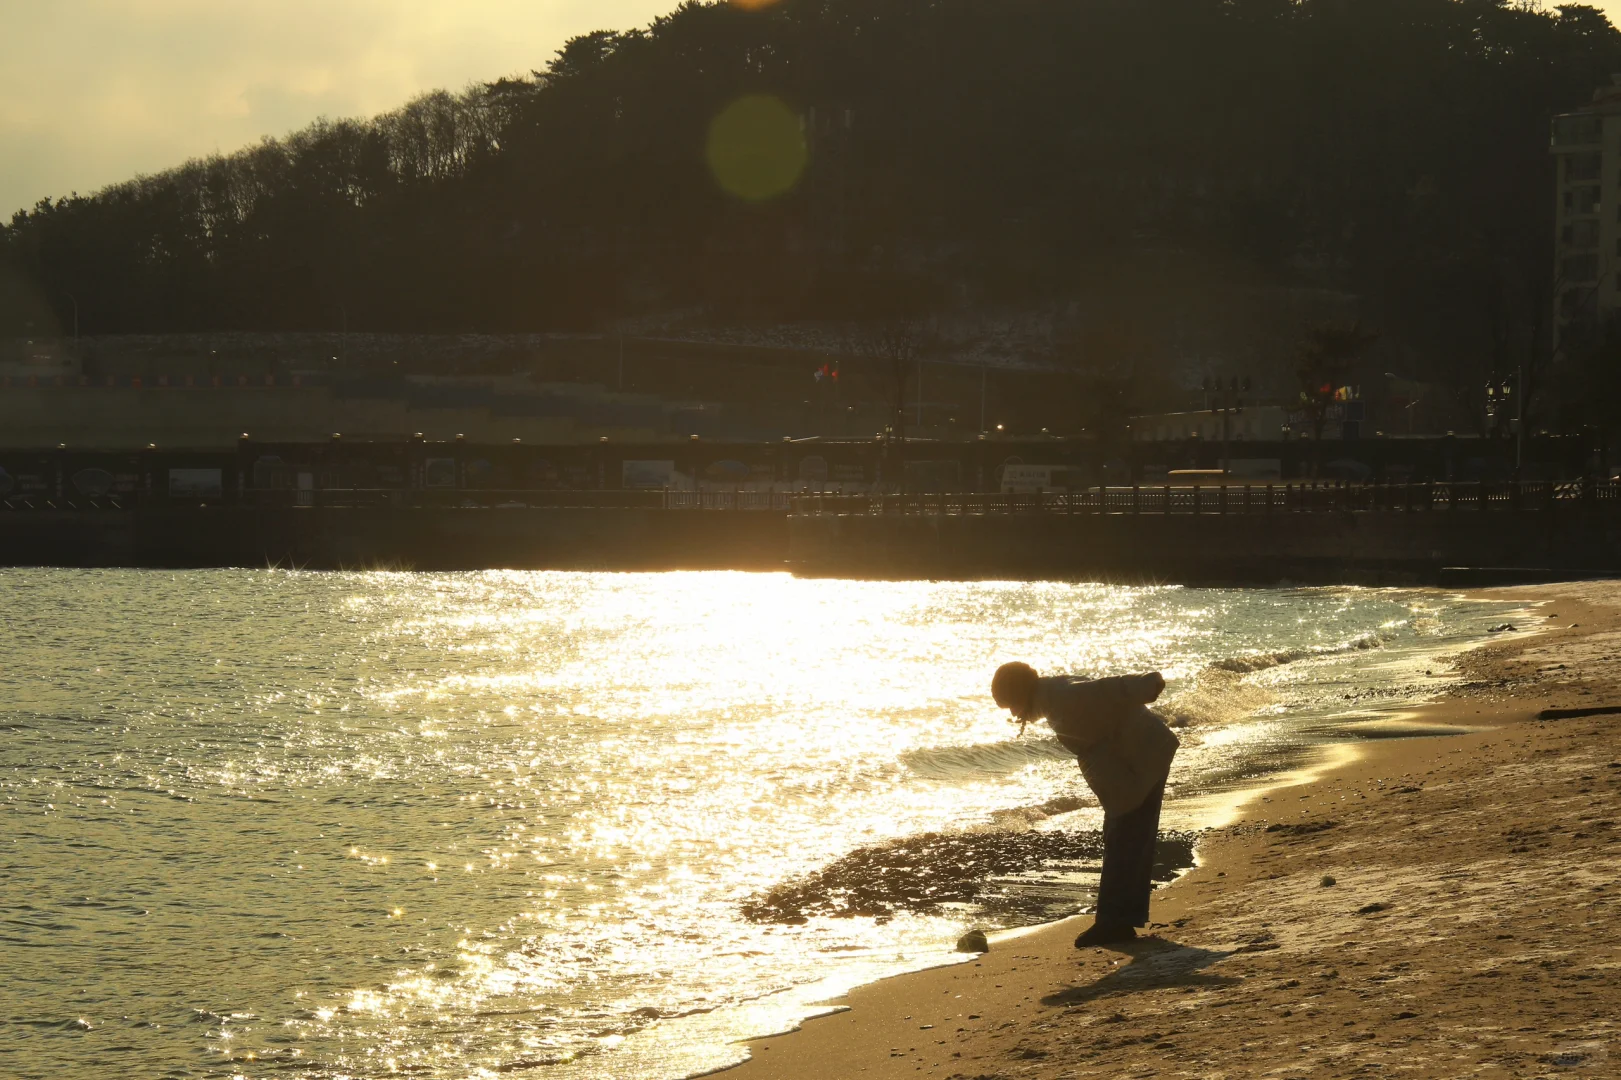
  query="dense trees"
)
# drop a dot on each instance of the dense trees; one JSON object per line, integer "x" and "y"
{"x": 1001, "y": 151}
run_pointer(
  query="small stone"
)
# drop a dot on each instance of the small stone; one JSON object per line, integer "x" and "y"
{"x": 973, "y": 941}
{"x": 1328, "y": 881}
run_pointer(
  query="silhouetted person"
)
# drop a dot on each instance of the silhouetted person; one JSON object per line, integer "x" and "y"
{"x": 1125, "y": 753}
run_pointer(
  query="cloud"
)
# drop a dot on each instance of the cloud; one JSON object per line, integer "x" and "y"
{"x": 95, "y": 91}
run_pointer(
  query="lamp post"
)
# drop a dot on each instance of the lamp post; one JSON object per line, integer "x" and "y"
{"x": 1499, "y": 400}
{"x": 1519, "y": 419}
{"x": 920, "y": 394}
{"x": 1228, "y": 403}
{"x": 982, "y": 400}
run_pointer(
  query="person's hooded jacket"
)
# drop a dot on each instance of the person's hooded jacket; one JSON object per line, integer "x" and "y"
{"x": 1124, "y": 748}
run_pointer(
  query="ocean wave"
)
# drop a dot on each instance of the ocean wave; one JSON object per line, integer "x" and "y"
{"x": 1217, "y": 697}
{"x": 1248, "y": 663}
{"x": 1222, "y": 693}
{"x": 1023, "y": 817}
{"x": 1006, "y": 756}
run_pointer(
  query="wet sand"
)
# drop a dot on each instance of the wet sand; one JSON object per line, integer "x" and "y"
{"x": 1425, "y": 907}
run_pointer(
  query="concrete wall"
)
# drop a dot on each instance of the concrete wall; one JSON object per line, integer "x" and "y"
{"x": 1386, "y": 547}
{"x": 1369, "y": 547}
{"x": 411, "y": 539}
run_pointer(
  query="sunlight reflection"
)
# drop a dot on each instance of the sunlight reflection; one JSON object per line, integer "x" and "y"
{"x": 617, "y": 763}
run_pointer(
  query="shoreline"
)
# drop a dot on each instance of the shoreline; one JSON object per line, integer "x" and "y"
{"x": 1253, "y": 963}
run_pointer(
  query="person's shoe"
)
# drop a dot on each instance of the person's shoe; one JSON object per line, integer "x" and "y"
{"x": 1104, "y": 933}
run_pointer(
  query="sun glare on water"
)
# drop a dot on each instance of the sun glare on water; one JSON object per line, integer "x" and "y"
{"x": 506, "y": 820}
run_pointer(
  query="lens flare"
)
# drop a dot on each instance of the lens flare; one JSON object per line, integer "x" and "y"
{"x": 757, "y": 148}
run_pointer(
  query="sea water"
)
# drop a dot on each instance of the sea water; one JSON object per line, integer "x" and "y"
{"x": 457, "y": 825}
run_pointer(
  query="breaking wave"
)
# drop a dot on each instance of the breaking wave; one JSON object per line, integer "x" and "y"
{"x": 1246, "y": 663}
{"x": 1006, "y": 756}
{"x": 1222, "y": 693}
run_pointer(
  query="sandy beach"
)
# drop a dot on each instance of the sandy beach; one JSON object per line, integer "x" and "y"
{"x": 1422, "y": 907}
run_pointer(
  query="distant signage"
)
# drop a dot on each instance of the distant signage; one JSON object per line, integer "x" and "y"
{"x": 728, "y": 471}
{"x": 270, "y": 471}
{"x": 195, "y": 484}
{"x": 543, "y": 474}
{"x": 645, "y": 475}
{"x": 33, "y": 484}
{"x": 813, "y": 469}
{"x": 93, "y": 483}
{"x": 439, "y": 472}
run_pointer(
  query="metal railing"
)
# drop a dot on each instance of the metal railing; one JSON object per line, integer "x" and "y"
{"x": 1139, "y": 499}
{"x": 514, "y": 499}
{"x": 1234, "y": 499}
{"x": 465, "y": 498}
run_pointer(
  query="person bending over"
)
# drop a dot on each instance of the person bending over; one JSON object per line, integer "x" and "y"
{"x": 1125, "y": 753}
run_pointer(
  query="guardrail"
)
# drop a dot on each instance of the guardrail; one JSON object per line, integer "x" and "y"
{"x": 498, "y": 499}
{"x": 1234, "y": 499}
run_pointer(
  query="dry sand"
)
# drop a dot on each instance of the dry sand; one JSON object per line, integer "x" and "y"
{"x": 1470, "y": 929}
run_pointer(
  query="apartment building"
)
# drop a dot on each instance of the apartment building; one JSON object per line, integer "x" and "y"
{"x": 1586, "y": 145}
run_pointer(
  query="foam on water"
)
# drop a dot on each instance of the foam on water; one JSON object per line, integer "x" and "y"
{"x": 460, "y": 825}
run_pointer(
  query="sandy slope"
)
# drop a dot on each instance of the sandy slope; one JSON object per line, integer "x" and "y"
{"x": 1471, "y": 929}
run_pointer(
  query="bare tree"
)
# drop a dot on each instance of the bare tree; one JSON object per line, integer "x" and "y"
{"x": 894, "y": 346}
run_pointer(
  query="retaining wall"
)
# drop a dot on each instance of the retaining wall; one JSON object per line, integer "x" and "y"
{"x": 401, "y": 538}
{"x": 1370, "y": 547}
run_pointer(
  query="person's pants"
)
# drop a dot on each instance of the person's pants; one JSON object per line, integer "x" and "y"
{"x": 1128, "y": 862}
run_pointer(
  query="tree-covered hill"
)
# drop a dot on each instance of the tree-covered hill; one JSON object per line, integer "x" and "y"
{"x": 938, "y": 153}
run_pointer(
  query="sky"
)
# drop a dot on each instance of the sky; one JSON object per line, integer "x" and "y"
{"x": 96, "y": 91}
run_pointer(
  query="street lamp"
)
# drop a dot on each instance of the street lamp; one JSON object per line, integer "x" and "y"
{"x": 1499, "y": 404}
{"x": 1227, "y": 404}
